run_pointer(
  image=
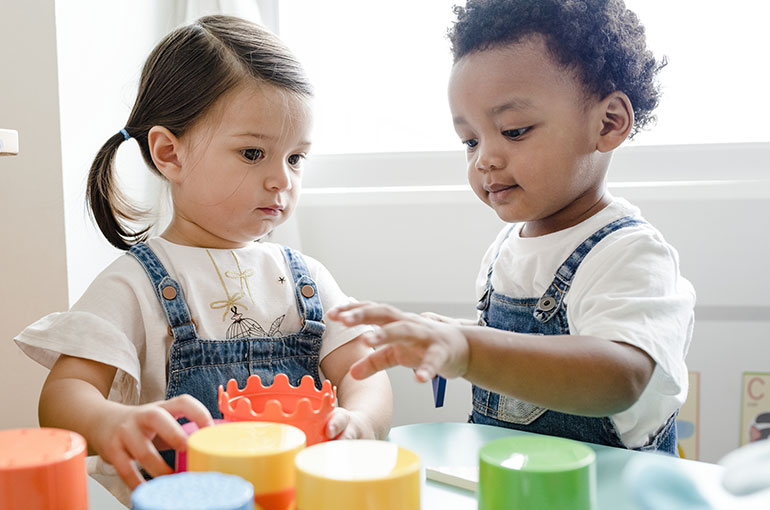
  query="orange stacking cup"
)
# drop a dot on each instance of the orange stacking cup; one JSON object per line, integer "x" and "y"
{"x": 303, "y": 406}
{"x": 259, "y": 452}
{"x": 42, "y": 469}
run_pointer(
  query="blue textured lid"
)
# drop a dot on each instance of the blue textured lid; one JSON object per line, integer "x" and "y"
{"x": 194, "y": 491}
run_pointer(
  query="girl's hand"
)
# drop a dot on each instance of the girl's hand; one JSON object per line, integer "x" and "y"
{"x": 345, "y": 424}
{"x": 128, "y": 436}
{"x": 424, "y": 344}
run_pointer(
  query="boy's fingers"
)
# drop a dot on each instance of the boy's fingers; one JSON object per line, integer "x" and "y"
{"x": 376, "y": 314}
{"x": 380, "y": 359}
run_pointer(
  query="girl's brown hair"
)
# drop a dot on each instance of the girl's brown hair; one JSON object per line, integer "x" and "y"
{"x": 183, "y": 77}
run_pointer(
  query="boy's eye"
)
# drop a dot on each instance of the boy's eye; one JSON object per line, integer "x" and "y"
{"x": 253, "y": 155}
{"x": 471, "y": 143}
{"x": 515, "y": 133}
{"x": 296, "y": 159}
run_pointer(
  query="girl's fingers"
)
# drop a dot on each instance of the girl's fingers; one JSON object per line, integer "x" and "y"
{"x": 145, "y": 454}
{"x": 190, "y": 408}
{"x": 156, "y": 421}
{"x": 126, "y": 468}
{"x": 337, "y": 423}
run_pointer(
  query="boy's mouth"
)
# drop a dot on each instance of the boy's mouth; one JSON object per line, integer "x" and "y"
{"x": 498, "y": 192}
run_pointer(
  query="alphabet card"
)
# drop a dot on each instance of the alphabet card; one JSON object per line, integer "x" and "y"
{"x": 755, "y": 406}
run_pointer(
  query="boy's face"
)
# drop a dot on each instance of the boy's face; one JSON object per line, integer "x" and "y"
{"x": 530, "y": 133}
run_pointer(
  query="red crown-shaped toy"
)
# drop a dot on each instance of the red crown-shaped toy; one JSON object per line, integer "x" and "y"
{"x": 303, "y": 406}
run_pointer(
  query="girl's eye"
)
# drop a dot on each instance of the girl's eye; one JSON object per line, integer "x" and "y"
{"x": 253, "y": 155}
{"x": 296, "y": 159}
{"x": 471, "y": 143}
{"x": 515, "y": 133}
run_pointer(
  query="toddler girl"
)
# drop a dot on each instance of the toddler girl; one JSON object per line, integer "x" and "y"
{"x": 222, "y": 114}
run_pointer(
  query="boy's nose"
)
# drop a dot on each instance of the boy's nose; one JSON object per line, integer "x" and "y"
{"x": 488, "y": 159}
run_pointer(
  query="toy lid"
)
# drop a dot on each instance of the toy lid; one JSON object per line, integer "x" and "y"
{"x": 537, "y": 454}
{"x": 246, "y": 439}
{"x": 30, "y": 448}
{"x": 360, "y": 474}
{"x": 194, "y": 491}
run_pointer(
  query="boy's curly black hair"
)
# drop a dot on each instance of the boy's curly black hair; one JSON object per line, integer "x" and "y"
{"x": 600, "y": 39}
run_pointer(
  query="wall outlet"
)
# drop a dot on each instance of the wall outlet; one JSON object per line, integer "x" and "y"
{"x": 9, "y": 142}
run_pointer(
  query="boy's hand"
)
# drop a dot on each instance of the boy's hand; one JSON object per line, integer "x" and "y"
{"x": 345, "y": 424}
{"x": 127, "y": 437}
{"x": 424, "y": 344}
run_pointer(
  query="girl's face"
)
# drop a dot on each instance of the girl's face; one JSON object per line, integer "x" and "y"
{"x": 241, "y": 168}
{"x": 530, "y": 134}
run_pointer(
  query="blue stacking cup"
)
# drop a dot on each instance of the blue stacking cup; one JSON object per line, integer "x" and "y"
{"x": 194, "y": 491}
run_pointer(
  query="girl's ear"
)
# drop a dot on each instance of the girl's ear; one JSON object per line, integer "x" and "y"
{"x": 165, "y": 150}
{"x": 617, "y": 121}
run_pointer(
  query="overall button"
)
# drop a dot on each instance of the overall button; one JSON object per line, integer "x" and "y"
{"x": 307, "y": 291}
{"x": 169, "y": 292}
{"x": 546, "y": 303}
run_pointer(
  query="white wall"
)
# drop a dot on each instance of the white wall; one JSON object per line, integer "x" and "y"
{"x": 34, "y": 280}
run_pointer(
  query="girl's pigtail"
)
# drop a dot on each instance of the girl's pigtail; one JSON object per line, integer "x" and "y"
{"x": 107, "y": 205}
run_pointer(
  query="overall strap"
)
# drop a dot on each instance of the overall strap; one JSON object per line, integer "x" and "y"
{"x": 552, "y": 300}
{"x": 168, "y": 292}
{"x": 306, "y": 292}
{"x": 484, "y": 301}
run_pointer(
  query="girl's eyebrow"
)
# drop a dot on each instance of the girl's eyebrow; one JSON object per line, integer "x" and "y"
{"x": 263, "y": 136}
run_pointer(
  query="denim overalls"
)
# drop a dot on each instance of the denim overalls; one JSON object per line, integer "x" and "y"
{"x": 197, "y": 366}
{"x": 547, "y": 315}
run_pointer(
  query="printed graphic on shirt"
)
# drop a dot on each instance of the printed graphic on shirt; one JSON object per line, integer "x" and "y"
{"x": 243, "y": 327}
{"x": 230, "y": 299}
{"x": 242, "y": 276}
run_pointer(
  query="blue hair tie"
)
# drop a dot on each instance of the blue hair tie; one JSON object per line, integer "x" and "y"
{"x": 126, "y": 136}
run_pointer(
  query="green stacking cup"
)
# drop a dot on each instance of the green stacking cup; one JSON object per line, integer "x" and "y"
{"x": 536, "y": 473}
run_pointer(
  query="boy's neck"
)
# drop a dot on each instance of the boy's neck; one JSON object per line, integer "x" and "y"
{"x": 574, "y": 214}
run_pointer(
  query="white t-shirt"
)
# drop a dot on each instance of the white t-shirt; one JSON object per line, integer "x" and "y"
{"x": 628, "y": 288}
{"x": 119, "y": 321}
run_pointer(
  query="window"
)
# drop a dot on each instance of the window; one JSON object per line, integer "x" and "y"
{"x": 380, "y": 70}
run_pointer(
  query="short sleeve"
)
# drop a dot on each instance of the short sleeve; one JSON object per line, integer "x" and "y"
{"x": 631, "y": 291}
{"x": 336, "y": 333}
{"x": 105, "y": 325}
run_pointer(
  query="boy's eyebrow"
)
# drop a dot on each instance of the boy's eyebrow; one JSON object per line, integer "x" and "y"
{"x": 516, "y": 103}
{"x": 512, "y": 104}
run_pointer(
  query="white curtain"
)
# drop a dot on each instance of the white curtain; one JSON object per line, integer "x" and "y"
{"x": 264, "y": 12}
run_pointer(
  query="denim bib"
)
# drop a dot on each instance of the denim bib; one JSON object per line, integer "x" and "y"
{"x": 547, "y": 315}
{"x": 197, "y": 366}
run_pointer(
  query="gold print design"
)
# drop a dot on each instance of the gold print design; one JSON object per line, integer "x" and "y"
{"x": 231, "y": 300}
{"x": 242, "y": 275}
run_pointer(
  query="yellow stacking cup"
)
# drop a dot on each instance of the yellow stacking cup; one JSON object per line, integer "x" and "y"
{"x": 262, "y": 453}
{"x": 360, "y": 475}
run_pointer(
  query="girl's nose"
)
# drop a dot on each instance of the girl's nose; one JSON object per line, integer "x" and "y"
{"x": 279, "y": 177}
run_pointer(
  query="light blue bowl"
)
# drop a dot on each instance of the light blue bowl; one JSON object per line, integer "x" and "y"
{"x": 194, "y": 491}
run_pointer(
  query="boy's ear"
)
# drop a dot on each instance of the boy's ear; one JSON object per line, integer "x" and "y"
{"x": 617, "y": 121}
{"x": 165, "y": 150}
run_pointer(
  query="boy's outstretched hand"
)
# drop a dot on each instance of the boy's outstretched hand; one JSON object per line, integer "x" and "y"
{"x": 426, "y": 344}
